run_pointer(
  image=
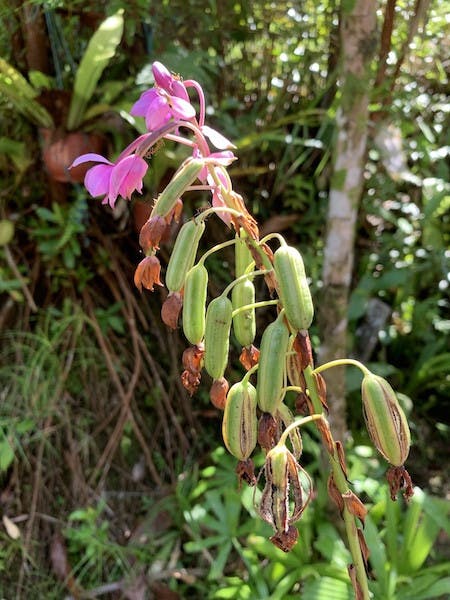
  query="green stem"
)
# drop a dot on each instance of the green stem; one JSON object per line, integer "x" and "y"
{"x": 244, "y": 277}
{"x": 340, "y": 362}
{"x": 264, "y": 258}
{"x": 341, "y": 483}
{"x": 215, "y": 249}
{"x": 293, "y": 388}
{"x": 254, "y": 305}
{"x": 214, "y": 210}
{"x": 298, "y": 423}
{"x": 271, "y": 236}
{"x": 249, "y": 373}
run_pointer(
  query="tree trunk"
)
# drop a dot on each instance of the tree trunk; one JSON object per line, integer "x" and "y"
{"x": 358, "y": 45}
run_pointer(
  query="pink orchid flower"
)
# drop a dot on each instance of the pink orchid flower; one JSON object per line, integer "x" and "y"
{"x": 169, "y": 83}
{"x": 158, "y": 107}
{"x": 113, "y": 179}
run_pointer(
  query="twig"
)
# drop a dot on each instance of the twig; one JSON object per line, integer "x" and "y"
{"x": 17, "y": 274}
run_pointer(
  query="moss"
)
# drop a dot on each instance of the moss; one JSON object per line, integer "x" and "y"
{"x": 338, "y": 180}
{"x": 348, "y": 6}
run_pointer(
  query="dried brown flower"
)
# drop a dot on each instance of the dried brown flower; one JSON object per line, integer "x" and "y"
{"x": 152, "y": 232}
{"x": 218, "y": 392}
{"x": 171, "y": 308}
{"x": 399, "y": 479}
{"x": 147, "y": 273}
{"x": 249, "y": 357}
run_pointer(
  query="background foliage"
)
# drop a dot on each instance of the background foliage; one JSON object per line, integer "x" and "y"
{"x": 107, "y": 479}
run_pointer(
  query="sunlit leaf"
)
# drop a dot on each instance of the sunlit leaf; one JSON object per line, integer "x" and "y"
{"x": 99, "y": 52}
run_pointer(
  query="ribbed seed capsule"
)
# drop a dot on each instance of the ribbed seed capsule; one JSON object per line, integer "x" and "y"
{"x": 244, "y": 323}
{"x": 272, "y": 362}
{"x": 183, "y": 178}
{"x": 285, "y": 481}
{"x": 385, "y": 420}
{"x": 183, "y": 254}
{"x": 240, "y": 421}
{"x": 195, "y": 290}
{"x": 217, "y": 336}
{"x": 293, "y": 287}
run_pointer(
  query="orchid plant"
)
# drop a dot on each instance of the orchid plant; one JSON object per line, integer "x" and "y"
{"x": 252, "y": 415}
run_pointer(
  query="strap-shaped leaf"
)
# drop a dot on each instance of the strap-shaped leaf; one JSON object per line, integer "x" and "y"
{"x": 17, "y": 90}
{"x": 101, "y": 48}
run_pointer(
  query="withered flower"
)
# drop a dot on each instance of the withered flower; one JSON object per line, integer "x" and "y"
{"x": 268, "y": 431}
{"x": 190, "y": 381}
{"x": 171, "y": 308}
{"x": 192, "y": 359}
{"x": 192, "y": 362}
{"x": 285, "y": 540}
{"x": 249, "y": 357}
{"x": 286, "y": 481}
{"x": 218, "y": 392}
{"x": 302, "y": 346}
{"x": 152, "y": 232}
{"x": 302, "y": 404}
{"x": 147, "y": 273}
{"x": 334, "y": 493}
{"x": 399, "y": 479}
{"x": 245, "y": 470}
{"x": 354, "y": 506}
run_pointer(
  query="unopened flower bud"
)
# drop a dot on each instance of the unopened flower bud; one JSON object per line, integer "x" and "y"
{"x": 385, "y": 420}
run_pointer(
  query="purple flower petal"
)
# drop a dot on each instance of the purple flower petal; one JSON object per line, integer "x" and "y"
{"x": 162, "y": 76}
{"x": 126, "y": 177}
{"x": 178, "y": 89}
{"x": 140, "y": 108}
{"x": 97, "y": 179}
{"x": 181, "y": 108}
{"x": 158, "y": 113}
{"x": 218, "y": 140}
{"x": 90, "y": 157}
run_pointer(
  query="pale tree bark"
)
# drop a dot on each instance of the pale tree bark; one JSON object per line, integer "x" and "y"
{"x": 358, "y": 41}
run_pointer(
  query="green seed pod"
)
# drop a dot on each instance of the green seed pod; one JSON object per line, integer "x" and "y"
{"x": 385, "y": 420}
{"x": 272, "y": 364}
{"x": 183, "y": 178}
{"x": 293, "y": 287}
{"x": 239, "y": 420}
{"x": 287, "y": 491}
{"x": 217, "y": 336}
{"x": 195, "y": 290}
{"x": 244, "y": 322}
{"x": 183, "y": 254}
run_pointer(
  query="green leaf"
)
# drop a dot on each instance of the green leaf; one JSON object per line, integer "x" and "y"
{"x": 325, "y": 588}
{"x": 6, "y": 454}
{"x": 100, "y": 50}
{"x": 17, "y": 90}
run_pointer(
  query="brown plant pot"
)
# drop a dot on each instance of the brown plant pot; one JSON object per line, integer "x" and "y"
{"x": 60, "y": 149}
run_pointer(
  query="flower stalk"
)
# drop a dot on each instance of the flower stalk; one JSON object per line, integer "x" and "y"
{"x": 251, "y": 414}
